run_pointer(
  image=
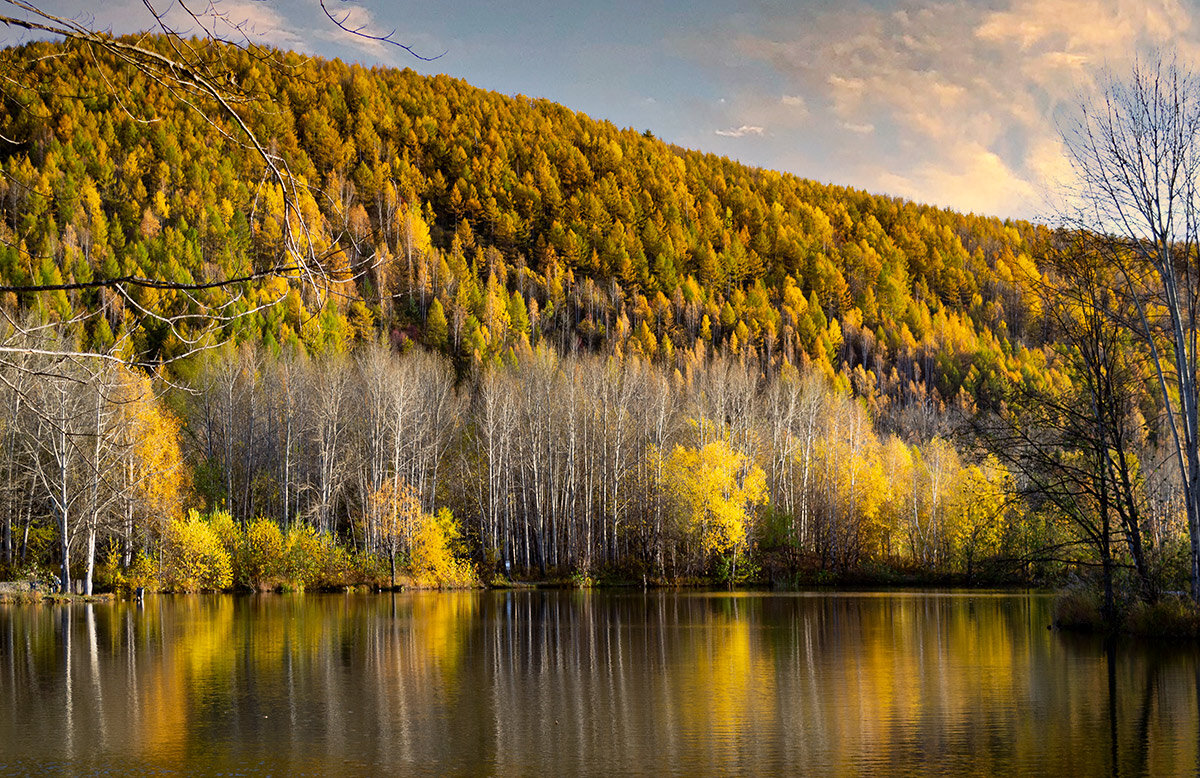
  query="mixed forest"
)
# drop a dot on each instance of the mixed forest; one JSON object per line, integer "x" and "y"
{"x": 540, "y": 347}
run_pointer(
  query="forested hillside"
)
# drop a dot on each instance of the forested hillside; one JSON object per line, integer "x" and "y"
{"x": 537, "y": 342}
{"x": 472, "y": 220}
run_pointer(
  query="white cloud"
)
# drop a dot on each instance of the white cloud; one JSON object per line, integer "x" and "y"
{"x": 236, "y": 21}
{"x": 970, "y": 178}
{"x": 355, "y": 26}
{"x": 741, "y": 132}
{"x": 253, "y": 21}
{"x": 951, "y": 101}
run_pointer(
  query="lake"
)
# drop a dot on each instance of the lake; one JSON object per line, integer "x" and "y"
{"x": 570, "y": 682}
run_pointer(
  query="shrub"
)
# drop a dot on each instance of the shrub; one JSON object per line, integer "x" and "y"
{"x": 37, "y": 577}
{"x": 261, "y": 562}
{"x": 226, "y": 530}
{"x": 339, "y": 566}
{"x": 312, "y": 559}
{"x": 1077, "y": 608}
{"x": 143, "y": 572}
{"x": 366, "y": 568}
{"x": 109, "y": 574}
{"x": 1170, "y": 617}
{"x": 193, "y": 556}
{"x": 304, "y": 557}
{"x": 434, "y": 560}
{"x": 581, "y": 580}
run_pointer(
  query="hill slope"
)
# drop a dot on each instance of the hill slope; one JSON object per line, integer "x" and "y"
{"x": 473, "y": 220}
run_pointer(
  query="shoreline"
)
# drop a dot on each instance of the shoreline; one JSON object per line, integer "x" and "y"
{"x": 10, "y": 593}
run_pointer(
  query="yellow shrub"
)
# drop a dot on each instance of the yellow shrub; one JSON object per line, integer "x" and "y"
{"x": 142, "y": 573}
{"x": 193, "y": 557}
{"x": 226, "y": 530}
{"x": 261, "y": 561}
{"x": 109, "y": 574}
{"x": 304, "y": 557}
{"x": 433, "y": 561}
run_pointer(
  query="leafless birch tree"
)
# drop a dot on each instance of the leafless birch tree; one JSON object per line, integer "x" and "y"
{"x": 1136, "y": 153}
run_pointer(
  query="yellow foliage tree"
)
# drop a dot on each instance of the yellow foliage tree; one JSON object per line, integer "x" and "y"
{"x": 398, "y": 512}
{"x": 976, "y": 510}
{"x": 713, "y": 491}
{"x": 855, "y": 486}
{"x": 153, "y": 474}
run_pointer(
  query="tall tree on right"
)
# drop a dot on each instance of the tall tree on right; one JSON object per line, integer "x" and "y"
{"x": 1135, "y": 150}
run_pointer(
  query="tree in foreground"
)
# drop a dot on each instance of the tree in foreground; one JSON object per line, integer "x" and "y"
{"x": 1135, "y": 151}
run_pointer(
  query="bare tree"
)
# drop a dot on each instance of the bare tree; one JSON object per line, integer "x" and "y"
{"x": 71, "y": 435}
{"x": 57, "y": 451}
{"x": 1136, "y": 152}
{"x": 328, "y": 415}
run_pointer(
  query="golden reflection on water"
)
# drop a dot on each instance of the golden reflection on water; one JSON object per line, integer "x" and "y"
{"x": 552, "y": 683}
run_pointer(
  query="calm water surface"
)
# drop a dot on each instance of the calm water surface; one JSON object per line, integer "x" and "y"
{"x": 554, "y": 683}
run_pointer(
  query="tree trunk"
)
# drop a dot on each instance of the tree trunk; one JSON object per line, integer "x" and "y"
{"x": 91, "y": 560}
{"x": 63, "y": 536}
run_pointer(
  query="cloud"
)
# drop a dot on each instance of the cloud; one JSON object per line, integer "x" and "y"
{"x": 237, "y": 21}
{"x": 743, "y": 116}
{"x": 361, "y": 30}
{"x": 949, "y": 101}
{"x": 354, "y": 26}
{"x": 253, "y": 22}
{"x": 970, "y": 178}
{"x": 741, "y": 132}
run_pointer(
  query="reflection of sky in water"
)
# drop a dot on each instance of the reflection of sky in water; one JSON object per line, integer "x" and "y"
{"x": 567, "y": 682}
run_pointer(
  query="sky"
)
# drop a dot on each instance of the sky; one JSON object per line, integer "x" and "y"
{"x": 959, "y": 104}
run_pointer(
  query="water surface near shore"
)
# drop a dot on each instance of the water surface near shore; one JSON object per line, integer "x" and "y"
{"x": 591, "y": 682}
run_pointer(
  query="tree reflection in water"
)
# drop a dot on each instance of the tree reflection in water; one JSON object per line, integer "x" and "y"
{"x": 526, "y": 682}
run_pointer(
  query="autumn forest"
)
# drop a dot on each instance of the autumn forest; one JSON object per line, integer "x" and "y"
{"x": 530, "y": 345}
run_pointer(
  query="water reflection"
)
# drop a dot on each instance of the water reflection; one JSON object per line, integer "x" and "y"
{"x": 575, "y": 682}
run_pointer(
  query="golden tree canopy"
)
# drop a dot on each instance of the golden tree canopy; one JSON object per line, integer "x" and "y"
{"x": 714, "y": 490}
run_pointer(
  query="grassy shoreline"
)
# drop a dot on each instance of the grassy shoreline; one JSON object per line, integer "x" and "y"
{"x": 1170, "y": 617}
{"x": 23, "y": 592}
